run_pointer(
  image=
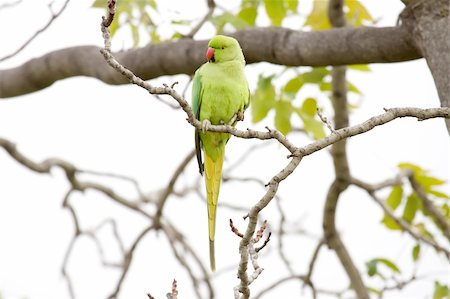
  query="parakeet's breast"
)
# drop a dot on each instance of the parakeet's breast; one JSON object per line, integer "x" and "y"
{"x": 225, "y": 92}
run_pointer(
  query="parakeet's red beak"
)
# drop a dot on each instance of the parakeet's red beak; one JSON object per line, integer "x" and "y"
{"x": 210, "y": 54}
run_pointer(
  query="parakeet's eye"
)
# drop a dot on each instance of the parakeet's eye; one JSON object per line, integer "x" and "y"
{"x": 223, "y": 47}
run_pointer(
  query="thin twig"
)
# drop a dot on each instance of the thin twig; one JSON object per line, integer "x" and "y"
{"x": 211, "y": 6}
{"x": 53, "y": 17}
{"x": 428, "y": 205}
{"x": 325, "y": 120}
{"x": 400, "y": 222}
{"x": 106, "y": 21}
{"x": 10, "y": 4}
{"x": 169, "y": 189}
{"x": 127, "y": 261}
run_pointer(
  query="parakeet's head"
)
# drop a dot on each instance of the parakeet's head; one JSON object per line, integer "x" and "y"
{"x": 224, "y": 48}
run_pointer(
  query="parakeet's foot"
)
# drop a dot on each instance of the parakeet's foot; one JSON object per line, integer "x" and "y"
{"x": 240, "y": 115}
{"x": 205, "y": 125}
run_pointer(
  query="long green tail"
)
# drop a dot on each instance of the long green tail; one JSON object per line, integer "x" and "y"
{"x": 213, "y": 176}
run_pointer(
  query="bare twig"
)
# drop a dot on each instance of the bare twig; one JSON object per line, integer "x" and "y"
{"x": 235, "y": 230}
{"x": 266, "y": 241}
{"x": 277, "y": 283}
{"x": 325, "y": 120}
{"x": 250, "y": 252}
{"x": 169, "y": 189}
{"x": 211, "y": 6}
{"x": 127, "y": 261}
{"x": 174, "y": 293}
{"x": 54, "y": 16}
{"x": 10, "y": 4}
{"x": 400, "y": 222}
{"x": 175, "y": 238}
{"x": 281, "y": 234}
{"x": 312, "y": 263}
{"x": 122, "y": 177}
{"x": 106, "y": 21}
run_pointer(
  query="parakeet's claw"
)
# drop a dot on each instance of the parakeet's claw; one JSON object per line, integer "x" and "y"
{"x": 240, "y": 115}
{"x": 205, "y": 125}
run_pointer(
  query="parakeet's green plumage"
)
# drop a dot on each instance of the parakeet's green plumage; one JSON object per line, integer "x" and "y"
{"x": 219, "y": 92}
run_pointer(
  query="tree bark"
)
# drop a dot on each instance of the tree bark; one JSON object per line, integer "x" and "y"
{"x": 429, "y": 22}
{"x": 276, "y": 45}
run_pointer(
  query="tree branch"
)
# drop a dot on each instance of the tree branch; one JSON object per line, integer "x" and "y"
{"x": 53, "y": 17}
{"x": 428, "y": 205}
{"x": 399, "y": 221}
{"x": 296, "y": 153}
{"x": 429, "y": 21}
{"x": 276, "y": 45}
{"x": 340, "y": 160}
{"x": 211, "y": 6}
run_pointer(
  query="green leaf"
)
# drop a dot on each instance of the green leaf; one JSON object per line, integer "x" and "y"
{"x": 395, "y": 197}
{"x": 180, "y": 22}
{"x": 312, "y": 126}
{"x": 263, "y": 99}
{"x": 227, "y": 18}
{"x": 292, "y": 5}
{"x": 411, "y": 207}
{"x": 414, "y": 168}
{"x": 325, "y": 86}
{"x": 113, "y": 27}
{"x": 388, "y": 264}
{"x": 249, "y": 11}
{"x": 428, "y": 181}
{"x": 309, "y": 106}
{"x": 374, "y": 291}
{"x": 445, "y": 210}
{"x": 360, "y": 67}
{"x": 390, "y": 223}
{"x": 99, "y": 4}
{"x": 420, "y": 227}
{"x": 416, "y": 252}
{"x": 351, "y": 87}
{"x": 357, "y": 15}
{"x": 441, "y": 291}
{"x": 439, "y": 194}
{"x": 283, "y": 111}
{"x": 371, "y": 268}
{"x": 153, "y": 4}
{"x": 276, "y": 11}
{"x": 154, "y": 36}
{"x": 293, "y": 85}
{"x": 134, "y": 34}
{"x": 318, "y": 18}
{"x": 316, "y": 75}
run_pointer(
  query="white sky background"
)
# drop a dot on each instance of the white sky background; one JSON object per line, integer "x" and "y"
{"x": 121, "y": 129}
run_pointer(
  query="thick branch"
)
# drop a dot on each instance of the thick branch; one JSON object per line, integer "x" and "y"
{"x": 430, "y": 23}
{"x": 276, "y": 45}
{"x": 340, "y": 160}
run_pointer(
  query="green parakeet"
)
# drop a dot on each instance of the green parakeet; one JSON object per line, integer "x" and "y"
{"x": 219, "y": 92}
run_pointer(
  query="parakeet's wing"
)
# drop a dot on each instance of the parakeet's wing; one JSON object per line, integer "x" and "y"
{"x": 247, "y": 103}
{"x": 196, "y": 104}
